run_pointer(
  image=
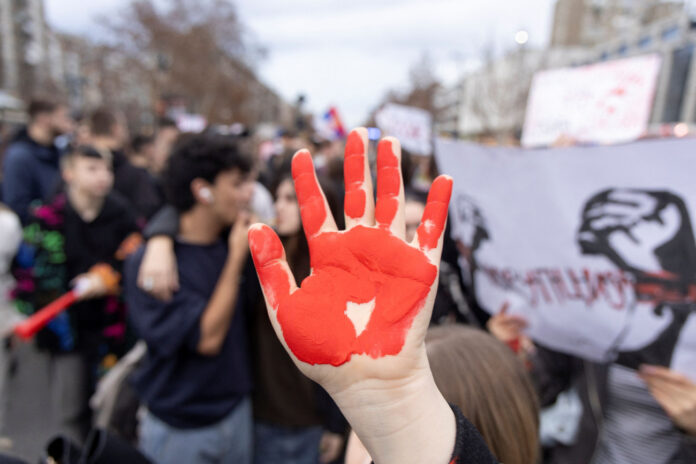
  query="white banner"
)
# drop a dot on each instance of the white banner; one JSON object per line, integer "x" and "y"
{"x": 603, "y": 103}
{"x": 412, "y": 126}
{"x": 594, "y": 246}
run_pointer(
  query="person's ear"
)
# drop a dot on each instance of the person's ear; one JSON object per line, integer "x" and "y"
{"x": 207, "y": 194}
{"x": 202, "y": 192}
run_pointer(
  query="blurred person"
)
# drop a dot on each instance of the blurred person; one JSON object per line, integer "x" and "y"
{"x": 481, "y": 376}
{"x": 195, "y": 380}
{"x": 11, "y": 233}
{"x": 109, "y": 135}
{"x": 142, "y": 151}
{"x": 325, "y": 151}
{"x": 450, "y": 303}
{"x": 165, "y": 137}
{"x": 158, "y": 274}
{"x": 31, "y": 163}
{"x": 498, "y": 398}
{"x": 357, "y": 324}
{"x": 83, "y": 227}
{"x": 81, "y": 133}
{"x": 295, "y": 420}
{"x": 627, "y": 416}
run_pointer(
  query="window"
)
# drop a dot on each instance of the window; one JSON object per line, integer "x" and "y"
{"x": 670, "y": 33}
{"x": 645, "y": 41}
{"x": 678, "y": 75}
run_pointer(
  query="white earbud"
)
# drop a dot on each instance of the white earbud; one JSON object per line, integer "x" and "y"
{"x": 206, "y": 194}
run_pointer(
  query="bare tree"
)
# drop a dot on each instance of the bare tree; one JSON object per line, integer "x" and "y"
{"x": 193, "y": 51}
{"x": 495, "y": 96}
{"x": 422, "y": 90}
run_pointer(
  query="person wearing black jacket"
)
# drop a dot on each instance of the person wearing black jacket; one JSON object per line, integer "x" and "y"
{"x": 84, "y": 226}
{"x": 31, "y": 163}
{"x": 109, "y": 135}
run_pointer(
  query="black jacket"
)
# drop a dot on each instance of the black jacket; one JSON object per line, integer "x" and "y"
{"x": 137, "y": 185}
{"x": 30, "y": 173}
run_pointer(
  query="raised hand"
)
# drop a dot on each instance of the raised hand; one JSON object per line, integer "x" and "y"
{"x": 367, "y": 284}
{"x": 357, "y": 324}
{"x": 675, "y": 393}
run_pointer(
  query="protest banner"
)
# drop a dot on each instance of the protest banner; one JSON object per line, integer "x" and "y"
{"x": 594, "y": 246}
{"x": 604, "y": 103}
{"x": 412, "y": 126}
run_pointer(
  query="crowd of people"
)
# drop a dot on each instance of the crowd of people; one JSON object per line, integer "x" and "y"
{"x": 169, "y": 349}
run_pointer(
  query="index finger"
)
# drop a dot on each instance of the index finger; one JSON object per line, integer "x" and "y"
{"x": 314, "y": 210}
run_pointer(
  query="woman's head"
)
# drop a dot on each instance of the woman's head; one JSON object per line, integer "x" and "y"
{"x": 484, "y": 378}
{"x": 287, "y": 209}
{"x": 288, "y": 220}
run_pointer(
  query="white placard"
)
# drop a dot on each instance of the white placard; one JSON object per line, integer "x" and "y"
{"x": 594, "y": 246}
{"x": 602, "y": 103}
{"x": 412, "y": 126}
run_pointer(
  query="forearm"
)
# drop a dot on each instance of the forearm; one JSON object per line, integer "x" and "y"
{"x": 164, "y": 223}
{"x": 217, "y": 316}
{"x": 409, "y": 424}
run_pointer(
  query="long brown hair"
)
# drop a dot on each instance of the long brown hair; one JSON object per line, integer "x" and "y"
{"x": 484, "y": 378}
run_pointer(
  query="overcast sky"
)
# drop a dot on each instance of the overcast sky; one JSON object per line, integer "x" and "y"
{"x": 349, "y": 53}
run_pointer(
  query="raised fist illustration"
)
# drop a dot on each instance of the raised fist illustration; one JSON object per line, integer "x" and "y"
{"x": 469, "y": 227}
{"x": 366, "y": 305}
{"x": 641, "y": 231}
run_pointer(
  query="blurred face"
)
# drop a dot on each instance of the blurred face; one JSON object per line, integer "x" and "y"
{"x": 231, "y": 193}
{"x": 82, "y": 134}
{"x": 413, "y": 211}
{"x": 61, "y": 122}
{"x": 148, "y": 151}
{"x": 287, "y": 210}
{"x": 89, "y": 176}
{"x": 120, "y": 130}
{"x": 164, "y": 141}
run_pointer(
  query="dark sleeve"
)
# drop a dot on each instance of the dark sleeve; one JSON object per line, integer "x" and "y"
{"x": 551, "y": 373}
{"x": 166, "y": 326}
{"x": 165, "y": 222}
{"x": 688, "y": 448}
{"x": 143, "y": 193}
{"x": 18, "y": 182}
{"x": 469, "y": 447}
{"x": 151, "y": 198}
{"x": 332, "y": 417}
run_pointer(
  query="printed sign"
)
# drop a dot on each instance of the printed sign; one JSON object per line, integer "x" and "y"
{"x": 412, "y": 126}
{"x": 594, "y": 246}
{"x": 602, "y": 103}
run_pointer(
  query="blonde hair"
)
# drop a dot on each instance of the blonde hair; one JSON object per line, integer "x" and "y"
{"x": 485, "y": 379}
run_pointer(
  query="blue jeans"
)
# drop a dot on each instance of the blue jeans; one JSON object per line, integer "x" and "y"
{"x": 226, "y": 442}
{"x": 282, "y": 445}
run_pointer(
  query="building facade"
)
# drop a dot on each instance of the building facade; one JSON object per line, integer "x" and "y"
{"x": 606, "y": 30}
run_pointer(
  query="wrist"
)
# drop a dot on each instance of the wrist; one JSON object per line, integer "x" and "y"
{"x": 235, "y": 262}
{"x": 409, "y": 423}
